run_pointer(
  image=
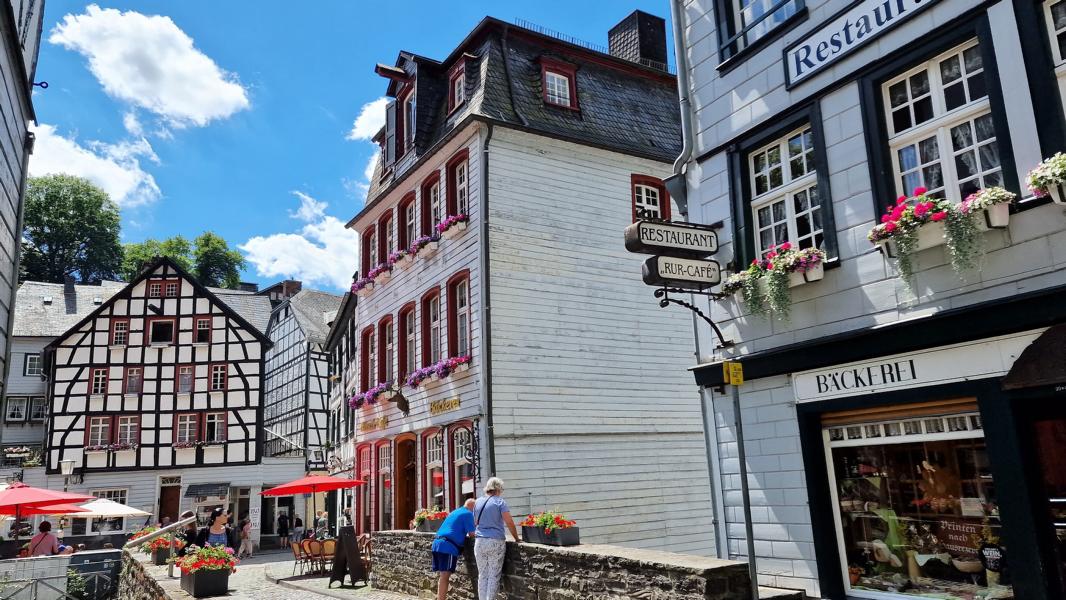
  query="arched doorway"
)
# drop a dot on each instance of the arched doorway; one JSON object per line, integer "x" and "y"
{"x": 406, "y": 481}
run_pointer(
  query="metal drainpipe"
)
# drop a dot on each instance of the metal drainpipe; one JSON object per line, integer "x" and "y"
{"x": 485, "y": 372}
{"x": 684, "y": 89}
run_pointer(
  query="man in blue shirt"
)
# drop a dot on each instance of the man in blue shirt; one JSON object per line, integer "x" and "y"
{"x": 448, "y": 545}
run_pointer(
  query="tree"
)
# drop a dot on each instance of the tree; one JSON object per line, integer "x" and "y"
{"x": 138, "y": 255}
{"x": 208, "y": 258}
{"x": 71, "y": 227}
{"x": 214, "y": 263}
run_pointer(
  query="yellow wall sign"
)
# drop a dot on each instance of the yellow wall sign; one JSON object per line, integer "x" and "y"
{"x": 442, "y": 406}
{"x": 374, "y": 424}
{"x": 733, "y": 373}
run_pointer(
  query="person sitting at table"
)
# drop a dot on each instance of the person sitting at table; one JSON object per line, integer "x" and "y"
{"x": 218, "y": 533}
{"x": 45, "y": 543}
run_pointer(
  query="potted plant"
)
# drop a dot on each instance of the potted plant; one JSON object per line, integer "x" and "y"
{"x": 990, "y": 208}
{"x": 452, "y": 226}
{"x": 550, "y": 528}
{"x": 428, "y": 520}
{"x": 205, "y": 571}
{"x": 913, "y": 224}
{"x": 159, "y": 548}
{"x": 803, "y": 266}
{"x": 1048, "y": 178}
{"x": 765, "y": 284}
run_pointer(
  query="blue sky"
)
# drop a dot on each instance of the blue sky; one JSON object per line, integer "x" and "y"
{"x": 238, "y": 116}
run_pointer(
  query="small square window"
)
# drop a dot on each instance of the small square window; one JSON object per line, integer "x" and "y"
{"x": 134, "y": 380}
{"x": 185, "y": 379}
{"x": 171, "y": 289}
{"x": 203, "y": 331}
{"x": 557, "y": 88}
{"x": 215, "y": 427}
{"x": 99, "y": 431}
{"x": 38, "y": 409}
{"x": 16, "y": 409}
{"x": 155, "y": 290}
{"x": 120, "y": 332}
{"x": 32, "y": 365}
{"x": 161, "y": 332}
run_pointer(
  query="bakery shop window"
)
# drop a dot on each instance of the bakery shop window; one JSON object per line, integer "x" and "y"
{"x": 916, "y": 510}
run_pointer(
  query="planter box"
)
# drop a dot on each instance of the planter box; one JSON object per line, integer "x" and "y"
{"x": 387, "y": 275}
{"x": 16, "y": 454}
{"x": 429, "y": 249}
{"x": 1057, "y": 193}
{"x": 406, "y": 261}
{"x": 815, "y": 273}
{"x": 996, "y": 217}
{"x": 185, "y": 456}
{"x": 429, "y": 525}
{"x": 160, "y": 557}
{"x": 930, "y": 235}
{"x": 96, "y": 458}
{"x": 571, "y": 536}
{"x": 366, "y": 290}
{"x": 386, "y": 395}
{"x": 125, "y": 458}
{"x": 453, "y": 231}
{"x": 203, "y": 584}
{"x": 463, "y": 368}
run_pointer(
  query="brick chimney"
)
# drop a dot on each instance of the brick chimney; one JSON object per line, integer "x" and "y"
{"x": 640, "y": 38}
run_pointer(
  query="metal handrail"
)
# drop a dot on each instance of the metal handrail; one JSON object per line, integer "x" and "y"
{"x": 159, "y": 533}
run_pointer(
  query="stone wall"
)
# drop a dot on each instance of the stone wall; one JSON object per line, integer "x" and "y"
{"x": 401, "y": 563}
{"x": 136, "y": 583}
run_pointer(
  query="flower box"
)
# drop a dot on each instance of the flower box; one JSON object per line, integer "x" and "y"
{"x": 204, "y": 583}
{"x": 815, "y": 273}
{"x": 994, "y": 217}
{"x": 382, "y": 278}
{"x": 429, "y": 249}
{"x": 929, "y": 235}
{"x": 463, "y": 368}
{"x": 429, "y": 525}
{"x": 406, "y": 261}
{"x": 1057, "y": 193}
{"x": 16, "y": 454}
{"x": 362, "y": 293}
{"x": 454, "y": 231}
{"x": 160, "y": 556}
{"x": 569, "y": 536}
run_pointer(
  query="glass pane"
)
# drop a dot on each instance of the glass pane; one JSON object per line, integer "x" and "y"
{"x": 950, "y": 69}
{"x": 910, "y": 181}
{"x": 919, "y": 84}
{"x": 968, "y": 187}
{"x": 813, "y": 191}
{"x": 923, "y": 110}
{"x": 817, "y": 216}
{"x": 761, "y": 187}
{"x": 779, "y": 211}
{"x": 966, "y": 165}
{"x": 760, "y": 162}
{"x": 954, "y": 96}
{"x": 994, "y": 179}
{"x": 1062, "y": 44}
{"x": 908, "y": 159}
{"x": 795, "y": 146}
{"x": 897, "y": 94}
{"x": 800, "y": 201}
{"x": 781, "y": 232}
{"x": 808, "y": 140}
{"x": 803, "y": 226}
{"x": 775, "y": 177}
{"x": 773, "y": 155}
{"x": 934, "y": 177}
{"x": 961, "y": 136}
{"x": 972, "y": 58}
{"x": 764, "y": 216}
{"x": 929, "y": 150}
{"x": 901, "y": 119}
{"x": 766, "y": 238}
{"x": 797, "y": 167}
{"x": 1058, "y": 14}
{"x": 977, "y": 87}
{"x": 989, "y": 156}
{"x": 985, "y": 128}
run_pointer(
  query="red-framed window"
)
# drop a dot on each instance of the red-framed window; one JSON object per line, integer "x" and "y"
{"x": 186, "y": 427}
{"x": 364, "y": 465}
{"x": 213, "y": 427}
{"x": 433, "y": 488}
{"x": 386, "y": 237}
{"x": 383, "y": 484}
{"x": 133, "y": 380}
{"x": 558, "y": 83}
{"x": 459, "y": 183}
{"x": 407, "y": 221}
{"x": 160, "y": 330}
{"x": 184, "y": 379}
{"x": 370, "y": 249}
{"x": 128, "y": 429}
{"x": 457, "y": 86}
{"x": 98, "y": 430}
{"x": 164, "y": 288}
{"x": 407, "y": 340}
{"x": 460, "y": 446}
{"x": 120, "y": 332}
{"x": 459, "y": 326}
{"x": 368, "y": 358}
{"x": 171, "y": 288}
{"x": 218, "y": 377}
{"x": 98, "y": 380}
{"x": 650, "y": 200}
{"x": 202, "y": 326}
{"x": 432, "y": 327}
{"x": 386, "y": 349}
{"x": 430, "y": 206}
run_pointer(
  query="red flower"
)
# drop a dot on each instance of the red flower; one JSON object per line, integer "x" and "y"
{"x": 901, "y": 199}
{"x": 785, "y": 247}
{"x": 890, "y": 227}
{"x": 886, "y": 218}
{"x": 920, "y": 209}
{"x": 939, "y": 216}
{"x": 771, "y": 254}
{"x": 918, "y": 191}
{"x": 898, "y": 212}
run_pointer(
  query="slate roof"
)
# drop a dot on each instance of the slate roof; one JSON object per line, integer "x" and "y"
{"x": 314, "y": 310}
{"x": 254, "y": 308}
{"x": 34, "y": 318}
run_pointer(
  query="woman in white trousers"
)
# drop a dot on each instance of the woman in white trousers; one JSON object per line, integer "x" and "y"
{"x": 491, "y": 515}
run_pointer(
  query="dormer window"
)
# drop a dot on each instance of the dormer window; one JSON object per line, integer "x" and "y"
{"x": 559, "y": 83}
{"x": 457, "y": 86}
{"x": 409, "y": 121}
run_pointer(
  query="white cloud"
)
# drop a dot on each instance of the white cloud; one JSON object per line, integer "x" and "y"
{"x": 370, "y": 120}
{"x": 114, "y": 167}
{"x": 368, "y": 170}
{"x": 324, "y": 252}
{"x": 151, "y": 63}
{"x": 132, "y": 124}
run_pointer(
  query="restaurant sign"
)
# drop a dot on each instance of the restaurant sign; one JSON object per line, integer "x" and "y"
{"x": 444, "y": 405}
{"x": 992, "y": 357}
{"x": 373, "y": 424}
{"x": 681, "y": 272}
{"x": 675, "y": 239}
{"x": 850, "y": 29}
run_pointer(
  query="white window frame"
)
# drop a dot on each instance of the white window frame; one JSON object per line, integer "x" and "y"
{"x": 1056, "y": 55}
{"x": 434, "y": 329}
{"x": 389, "y": 345}
{"x": 462, "y": 318}
{"x": 557, "y": 88}
{"x": 390, "y": 239}
{"x": 791, "y": 185}
{"x": 939, "y": 127}
{"x": 22, "y": 403}
{"x": 372, "y": 250}
{"x": 98, "y": 381}
{"x": 973, "y": 431}
{"x": 199, "y": 321}
{"x": 462, "y": 188}
{"x": 139, "y": 371}
{"x": 372, "y": 358}
{"x": 411, "y": 341}
{"x": 434, "y": 203}
{"x": 186, "y": 427}
{"x": 172, "y": 286}
{"x": 219, "y": 420}
{"x": 32, "y": 365}
{"x": 214, "y": 383}
{"x": 191, "y": 374}
{"x": 643, "y": 194}
{"x": 128, "y": 430}
{"x": 120, "y": 337}
{"x": 765, "y": 26}
{"x": 410, "y": 222}
{"x": 115, "y": 495}
{"x": 155, "y": 290}
{"x": 410, "y": 121}
{"x": 99, "y": 431}
{"x": 35, "y": 402}
{"x": 458, "y": 89}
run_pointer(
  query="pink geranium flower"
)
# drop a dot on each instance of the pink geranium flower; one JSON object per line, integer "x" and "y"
{"x": 939, "y": 216}
{"x": 918, "y": 191}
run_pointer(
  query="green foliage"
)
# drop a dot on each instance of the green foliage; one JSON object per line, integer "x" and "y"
{"x": 963, "y": 240}
{"x": 778, "y": 294}
{"x": 209, "y": 258}
{"x": 75, "y": 584}
{"x": 71, "y": 227}
{"x": 753, "y": 296}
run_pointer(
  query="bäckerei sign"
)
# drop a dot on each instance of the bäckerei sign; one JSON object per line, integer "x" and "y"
{"x": 849, "y": 30}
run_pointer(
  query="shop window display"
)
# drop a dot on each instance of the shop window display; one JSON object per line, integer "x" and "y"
{"x": 917, "y": 513}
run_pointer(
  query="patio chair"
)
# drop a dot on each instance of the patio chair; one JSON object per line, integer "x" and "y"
{"x": 309, "y": 557}
{"x": 299, "y": 557}
{"x": 329, "y": 550}
{"x": 364, "y": 550}
{"x": 314, "y": 548}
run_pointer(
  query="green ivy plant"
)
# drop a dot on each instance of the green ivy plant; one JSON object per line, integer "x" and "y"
{"x": 778, "y": 294}
{"x": 963, "y": 240}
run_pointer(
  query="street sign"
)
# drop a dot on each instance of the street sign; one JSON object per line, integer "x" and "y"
{"x": 688, "y": 240}
{"x": 684, "y": 273}
{"x": 733, "y": 372}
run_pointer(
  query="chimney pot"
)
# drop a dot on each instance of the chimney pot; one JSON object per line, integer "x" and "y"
{"x": 640, "y": 38}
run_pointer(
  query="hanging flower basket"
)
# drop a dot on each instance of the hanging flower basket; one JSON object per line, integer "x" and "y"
{"x": 1049, "y": 179}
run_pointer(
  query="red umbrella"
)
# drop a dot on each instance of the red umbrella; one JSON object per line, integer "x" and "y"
{"x": 313, "y": 484}
{"x": 19, "y": 497}
{"x": 51, "y": 509}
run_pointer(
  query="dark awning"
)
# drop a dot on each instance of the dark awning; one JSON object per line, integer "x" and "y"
{"x": 197, "y": 490}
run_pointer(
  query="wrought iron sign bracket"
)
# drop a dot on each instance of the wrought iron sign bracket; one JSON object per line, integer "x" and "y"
{"x": 663, "y": 294}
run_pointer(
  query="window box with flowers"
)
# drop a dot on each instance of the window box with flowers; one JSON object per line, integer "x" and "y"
{"x": 766, "y": 284}
{"x": 380, "y": 392}
{"x": 1049, "y": 179}
{"x": 550, "y": 528}
{"x": 428, "y": 520}
{"x": 400, "y": 257}
{"x": 452, "y": 226}
{"x": 205, "y": 571}
{"x": 17, "y": 452}
{"x": 425, "y": 245}
{"x": 438, "y": 371}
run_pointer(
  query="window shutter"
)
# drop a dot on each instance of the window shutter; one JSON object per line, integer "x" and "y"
{"x": 390, "y": 134}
